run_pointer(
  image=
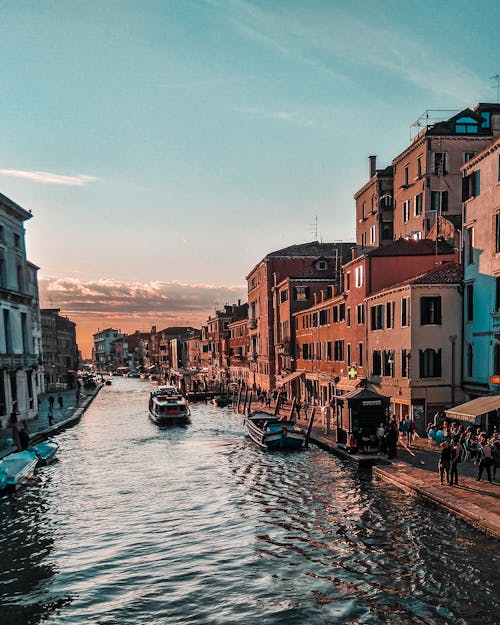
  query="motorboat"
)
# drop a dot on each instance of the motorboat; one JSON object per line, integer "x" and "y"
{"x": 45, "y": 451}
{"x": 271, "y": 432}
{"x": 16, "y": 468}
{"x": 167, "y": 406}
{"x": 220, "y": 401}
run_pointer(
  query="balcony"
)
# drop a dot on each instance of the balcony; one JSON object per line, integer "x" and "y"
{"x": 18, "y": 360}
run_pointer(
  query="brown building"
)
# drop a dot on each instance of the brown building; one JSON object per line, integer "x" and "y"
{"x": 427, "y": 175}
{"x": 238, "y": 350}
{"x": 414, "y": 343}
{"x": 218, "y": 335}
{"x": 60, "y": 350}
{"x": 307, "y": 260}
{"x": 374, "y": 208}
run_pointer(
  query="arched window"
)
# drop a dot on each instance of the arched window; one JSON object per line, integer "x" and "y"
{"x": 430, "y": 363}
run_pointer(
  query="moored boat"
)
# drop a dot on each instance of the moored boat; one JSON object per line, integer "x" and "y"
{"x": 45, "y": 451}
{"x": 220, "y": 401}
{"x": 269, "y": 432}
{"x": 17, "y": 467}
{"x": 167, "y": 406}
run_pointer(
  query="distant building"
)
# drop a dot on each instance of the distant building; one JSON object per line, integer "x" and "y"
{"x": 101, "y": 352}
{"x": 60, "y": 350}
{"x": 374, "y": 208}
{"x": 20, "y": 373}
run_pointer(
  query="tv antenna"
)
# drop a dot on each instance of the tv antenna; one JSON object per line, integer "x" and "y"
{"x": 496, "y": 82}
{"x": 314, "y": 228}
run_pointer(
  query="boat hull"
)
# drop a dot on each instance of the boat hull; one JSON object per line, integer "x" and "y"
{"x": 16, "y": 468}
{"x": 273, "y": 434}
{"x": 169, "y": 419}
{"x": 45, "y": 452}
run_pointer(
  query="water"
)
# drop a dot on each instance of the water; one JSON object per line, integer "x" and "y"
{"x": 137, "y": 525}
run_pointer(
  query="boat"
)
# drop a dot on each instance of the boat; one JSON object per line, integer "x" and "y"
{"x": 220, "y": 401}
{"x": 270, "y": 432}
{"x": 45, "y": 451}
{"x": 167, "y": 406}
{"x": 16, "y": 468}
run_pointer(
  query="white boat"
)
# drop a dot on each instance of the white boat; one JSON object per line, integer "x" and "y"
{"x": 15, "y": 468}
{"x": 167, "y": 406}
{"x": 270, "y": 432}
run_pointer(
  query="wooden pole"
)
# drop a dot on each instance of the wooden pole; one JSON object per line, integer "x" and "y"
{"x": 278, "y": 402}
{"x": 309, "y": 427}
{"x": 249, "y": 404}
{"x": 239, "y": 400}
{"x": 290, "y": 416}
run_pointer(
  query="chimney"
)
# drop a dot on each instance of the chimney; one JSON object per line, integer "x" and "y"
{"x": 239, "y": 303}
{"x": 323, "y": 293}
{"x": 373, "y": 165}
{"x": 315, "y": 298}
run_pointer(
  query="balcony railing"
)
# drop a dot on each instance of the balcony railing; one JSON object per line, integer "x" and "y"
{"x": 18, "y": 360}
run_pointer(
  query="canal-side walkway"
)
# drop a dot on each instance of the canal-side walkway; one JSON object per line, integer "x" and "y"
{"x": 415, "y": 470}
{"x": 39, "y": 428}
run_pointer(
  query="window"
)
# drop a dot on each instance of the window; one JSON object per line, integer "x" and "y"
{"x": 348, "y": 320}
{"x": 360, "y": 354}
{"x": 338, "y": 350}
{"x": 328, "y": 350}
{"x": 372, "y": 204}
{"x": 335, "y": 314}
{"x": 363, "y": 239}
{"x": 406, "y": 211}
{"x": 305, "y": 351}
{"x": 324, "y": 317}
{"x": 377, "y": 317}
{"x": 322, "y": 265}
{"x": 469, "y": 246}
{"x": 301, "y": 293}
{"x": 360, "y": 314}
{"x": 439, "y": 167}
{"x": 348, "y": 281}
{"x": 376, "y": 362}
{"x": 7, "y": 331}
{"x": 389, "y": 315}
{"x": 359, "y": 276}
{"x": 372, "y": 235}
{"x": 469, "y": 302}
{"x": 430, "y": 310}
{"x": 468, "y": 156}
{"x": 363, "y": 210}
{"x": 496, "y": 360}
{"x": 418, "y": 204}
{"x": 466, "y": 125}
{"x": 342, "y": 312}
{"x": 388, "y": 363}
{"x": 348, "y": 361}
{"x": 430, "y": 363}
{"x": 497, "y": 232}
{"x": 439, "y": 201}
{"x": 405, "y": 312}
{"x": 404, "y": 363}
{"x": 470, "y": 360}
{"x": 419, "y": 166}
{"x": 497, "y": 293}
{"x": 283, "y": 295}
{"x": 406, "y": 171}
{"x": 471, "y": 185}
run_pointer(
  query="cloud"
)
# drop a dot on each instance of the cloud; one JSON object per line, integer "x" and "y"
{"x": 109, "y": 298}
{"x": 46, "y": 177}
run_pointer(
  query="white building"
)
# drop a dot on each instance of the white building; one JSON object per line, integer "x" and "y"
{"x": 20, "y": 374}
{"x": 102, "y": 348}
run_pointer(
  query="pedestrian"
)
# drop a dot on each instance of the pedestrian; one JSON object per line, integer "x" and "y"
{"x": 77, "y": 395}
{"x": 51, "y": 401}
{"x": 495, "y": 452}
{"x": 24, "y": 437}
{"x": 455, "y": 459}
{"x": 380, "y": 433}
{"x": 391, "y": 439}
{"x": 60, "y": 401}
{"x": 50, "y": 416}
{"x": 484, "y": 458}
{"x": 298, "y": 406}
{"x": 445, "y": 461}
{"x": 12, "y": 423}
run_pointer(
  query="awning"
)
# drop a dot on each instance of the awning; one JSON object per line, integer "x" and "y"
{"x": 290, "y": 378}
{"x": 347, "y": 384}
{"x": 472, "y": 411}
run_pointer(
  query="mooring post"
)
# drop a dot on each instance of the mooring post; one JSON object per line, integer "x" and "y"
{"x": 309, "y": 427}
{"x": 278, "y": 402}
{"x": 290, "y": 416}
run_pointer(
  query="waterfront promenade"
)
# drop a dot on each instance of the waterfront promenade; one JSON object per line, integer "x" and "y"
{"x": 415, "y": 470}
{"x": 39, "y": 428}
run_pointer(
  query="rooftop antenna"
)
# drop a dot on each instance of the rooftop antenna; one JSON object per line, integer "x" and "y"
{"x": 314, "y": 228}
{"x": 496, "y": 82}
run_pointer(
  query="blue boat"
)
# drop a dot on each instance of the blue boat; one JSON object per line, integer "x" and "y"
{"x": 270, "y": 432}
{"x": 45, "y": 451}
{"x": 16, "y": 468}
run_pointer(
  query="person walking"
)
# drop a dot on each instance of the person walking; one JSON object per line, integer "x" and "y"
{"x": 391, "y": 439}
{"x": 60, "y": 401}
{"x": 455, "y": 459}
{"x": 445, "y": 461}
{"x": 485, "y": 457}
{"x": 50, "y": 416}
{"x": 51, "y": 401}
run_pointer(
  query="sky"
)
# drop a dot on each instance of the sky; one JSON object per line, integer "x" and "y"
{"x": 165, "y": 147}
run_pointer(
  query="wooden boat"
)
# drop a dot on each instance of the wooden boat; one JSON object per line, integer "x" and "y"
{"x": 45, "y": 451}
{"x": 168, "y": 407}
{"x": 220, "y": 401}
{"x": 16, "y": 468}
{"x": 269, "y": 432}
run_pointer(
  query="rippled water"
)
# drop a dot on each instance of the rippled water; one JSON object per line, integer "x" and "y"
{"x": 138, "y": 525}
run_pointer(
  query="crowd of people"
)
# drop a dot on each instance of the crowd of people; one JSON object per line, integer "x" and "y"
{"x": 458, "y": 443}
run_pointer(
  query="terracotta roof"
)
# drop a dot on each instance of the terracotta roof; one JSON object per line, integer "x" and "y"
{"x": 448, "y": 273}
{"x": 412, "y": 247}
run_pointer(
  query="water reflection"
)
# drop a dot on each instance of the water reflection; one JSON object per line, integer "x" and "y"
{"x": 195, "y": 525}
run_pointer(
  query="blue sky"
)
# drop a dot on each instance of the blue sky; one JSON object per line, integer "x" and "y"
{"x": 165, "y": 147}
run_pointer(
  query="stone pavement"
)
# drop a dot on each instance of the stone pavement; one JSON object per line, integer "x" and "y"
{"x": 39, "y": 427}
{"x": 416, "y": 470}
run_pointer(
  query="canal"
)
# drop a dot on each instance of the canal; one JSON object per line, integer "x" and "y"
{"x": 137, "y": 525}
